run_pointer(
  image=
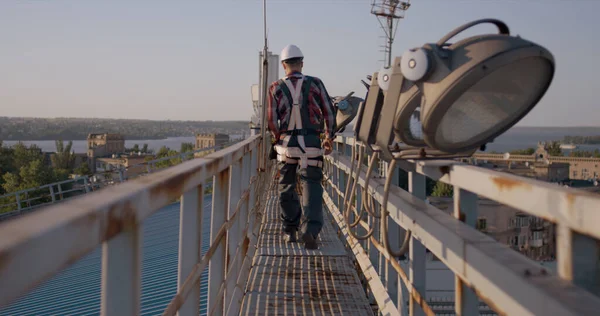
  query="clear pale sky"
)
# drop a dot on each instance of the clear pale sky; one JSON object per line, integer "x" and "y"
{"x": 196, "y": 60}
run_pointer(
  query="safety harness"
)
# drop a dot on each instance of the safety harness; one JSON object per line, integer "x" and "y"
{"x": 299, "y": 126}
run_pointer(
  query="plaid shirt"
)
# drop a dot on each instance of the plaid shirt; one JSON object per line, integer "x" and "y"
{"x": 319, "y": 106}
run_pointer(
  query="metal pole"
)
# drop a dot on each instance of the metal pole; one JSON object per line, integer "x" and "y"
{"x": 263, "y": 127}
{"x": 388, "y": 61}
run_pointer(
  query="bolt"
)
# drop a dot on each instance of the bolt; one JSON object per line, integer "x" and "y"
{"x": 527, "y": 272}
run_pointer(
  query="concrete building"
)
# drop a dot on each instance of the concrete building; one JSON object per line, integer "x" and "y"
{"x": 551, "y": 172}
{"x": 130, "y": 165}
{"x": 210, "y": 140}
{"x": 103, "y": 145}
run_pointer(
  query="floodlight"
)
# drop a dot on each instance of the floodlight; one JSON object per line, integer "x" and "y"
{"x": 476, "y": 89}
{"x": 449, "y": 100}
{"x": 346, "y": 110}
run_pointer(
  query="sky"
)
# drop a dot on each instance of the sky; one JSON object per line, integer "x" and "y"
{"x": 197, "y": 59}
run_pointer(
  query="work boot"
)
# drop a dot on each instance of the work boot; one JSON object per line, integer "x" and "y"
{"x": 290, "y": 236}
{"x": 310, "y": 241}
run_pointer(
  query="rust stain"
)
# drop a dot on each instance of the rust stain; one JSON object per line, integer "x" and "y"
{"x": 506, "y": 184}
{"x": 571, "y": 201}
{"x": 172, "y": 187}
{"x": 458, "y": 288}
{"x": 113, "y": 226}
{"x": 245, "y": 245}
{"x": 462, "y": 217}
{"x": 119, "y": 217}
{"x": 227, "y": 260}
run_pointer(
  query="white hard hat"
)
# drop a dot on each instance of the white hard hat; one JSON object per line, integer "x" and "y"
{"x": 291, "y": 51}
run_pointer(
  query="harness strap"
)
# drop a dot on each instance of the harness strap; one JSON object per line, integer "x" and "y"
{"x": 312, "y": 163}
{"x": 302, "y": 154}
{"x": 295, "y": 153}
{"x": 295, "y": 116}
{"x": 303, "y": 132}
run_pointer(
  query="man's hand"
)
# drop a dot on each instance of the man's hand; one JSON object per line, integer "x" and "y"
{"x": 328, "y": 146}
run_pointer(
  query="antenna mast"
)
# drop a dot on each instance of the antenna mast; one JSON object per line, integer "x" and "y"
{"x": 389, "y": 13}
{"x": 265, "y": 83}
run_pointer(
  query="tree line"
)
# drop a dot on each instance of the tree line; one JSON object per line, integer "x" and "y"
{"x": 24, "y": 167}
{"x": 19, "y": 128}
{"x": 582, "y": 140}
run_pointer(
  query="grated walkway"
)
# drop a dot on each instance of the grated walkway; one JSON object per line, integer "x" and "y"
{"x": 286, "y": 279}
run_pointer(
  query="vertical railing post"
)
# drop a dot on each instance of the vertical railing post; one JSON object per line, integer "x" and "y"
{"x": 466, "y": 302}
{"x": 190, "y": 240}
{"x": 335, "y": 178}
{"x": 395, "y": 286}
{"x": 51, "y": 187}
{"x": 234, "y": 233}
{"x": 253, "y": 193}
{"x": 60, "y": 191}
{"x": 241, "y": 267}
{"x": 121, "y": 271}
{"x": 358, "y": 195}
{"x": 577, "y": 257}
{"x": 18, "y": 199}
{"x": 216, "y": 270}
{"x": 341, "y": 184}
{"x": 86, "y": 184}
{"x": 371, "y": 249}
{"x": 245, "y": 210}
{"x": 417, "y": 253}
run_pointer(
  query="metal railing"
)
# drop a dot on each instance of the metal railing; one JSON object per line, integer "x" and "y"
{"x": 485, "y": 270}
{"x": 17, "y": 203}
{"x": 34, "y": 248}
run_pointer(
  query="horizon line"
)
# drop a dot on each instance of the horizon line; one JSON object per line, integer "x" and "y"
{"x": 238, "y": 120}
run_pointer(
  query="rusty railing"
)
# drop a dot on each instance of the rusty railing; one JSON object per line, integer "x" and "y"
{"x": 485, "y": 271}
{"x": 39, "y": 245}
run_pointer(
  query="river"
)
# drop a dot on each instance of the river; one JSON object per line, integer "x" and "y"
{"x": 80, "y": 146}
{"x": 517, "y": 138}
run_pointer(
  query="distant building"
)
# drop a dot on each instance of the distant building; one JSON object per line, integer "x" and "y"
{"x": 210, "y": 140}
{"x": 551, "y": 172}
{"x": 130, "y": 165}
{"x": 545, "y": 167}
{"x": 103, "y": 145}
{"x": 529, "y": 235}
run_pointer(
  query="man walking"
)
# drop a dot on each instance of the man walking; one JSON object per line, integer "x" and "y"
{"x": 301, "y": 104}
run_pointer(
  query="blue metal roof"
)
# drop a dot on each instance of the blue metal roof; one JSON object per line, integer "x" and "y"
{"x": 76, "y": 290}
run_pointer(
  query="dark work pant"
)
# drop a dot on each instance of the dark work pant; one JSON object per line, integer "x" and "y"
{"x": 312, "y": 198}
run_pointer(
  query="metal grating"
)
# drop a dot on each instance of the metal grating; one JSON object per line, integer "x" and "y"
{"x": 278, "y": 304}
{"x": 270, "y": 243}
{"x": 287, "y": 279}
{"x": 307, "y": 277}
